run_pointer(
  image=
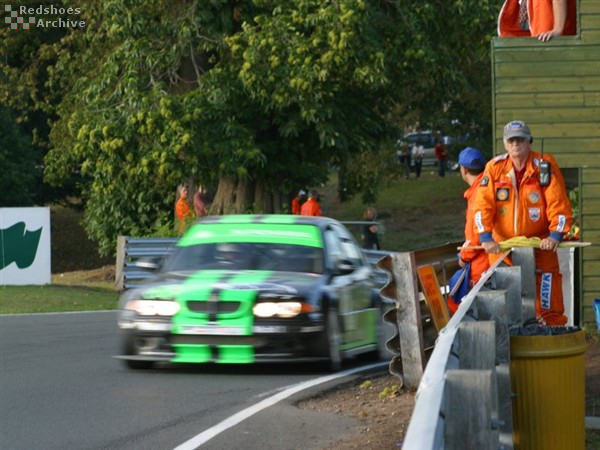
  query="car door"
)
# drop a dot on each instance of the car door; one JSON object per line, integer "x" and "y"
{"x": 354, "y": 289}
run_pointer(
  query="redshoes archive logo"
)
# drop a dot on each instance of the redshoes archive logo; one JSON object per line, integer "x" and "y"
{"x": 26, "y": 17}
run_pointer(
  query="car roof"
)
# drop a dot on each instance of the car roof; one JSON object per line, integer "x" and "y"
{"x": 276, "y": 219}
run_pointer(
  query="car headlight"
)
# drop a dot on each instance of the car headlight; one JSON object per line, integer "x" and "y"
{"x": 280, "y": 309}
{"x": 153, "y": 307}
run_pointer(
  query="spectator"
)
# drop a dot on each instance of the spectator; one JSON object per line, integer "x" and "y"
{"x": 311, "y": 206}
{"x": 442, "y": 157}
{"x": 417, "y": 156}
{"x": 182, "y": 208}
{"x": 200, "y": 203}
{"x": 471, "y": 164}
{"x": 522, "y": 193}
{"x": 543, "y": 19}
{"x": 297, "y": 202}
{"x": 370, "y": 236}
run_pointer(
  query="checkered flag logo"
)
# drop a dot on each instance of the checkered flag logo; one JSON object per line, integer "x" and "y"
{"x": 13, "y": 20}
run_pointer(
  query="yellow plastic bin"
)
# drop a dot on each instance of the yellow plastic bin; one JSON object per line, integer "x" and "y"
{"x": 547, "y": 377}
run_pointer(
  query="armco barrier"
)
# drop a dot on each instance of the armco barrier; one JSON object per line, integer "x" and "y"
{"x": 465, "y": 399}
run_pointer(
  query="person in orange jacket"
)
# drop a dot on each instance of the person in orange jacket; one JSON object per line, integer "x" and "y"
{"x": 472, "y": 163}
{"x": 296, "y": 205}
{"x": 517, "y": 198}
{"x": 182, "y": 208}
{"x": 543, "y": 19}
{"x": 311, "y": 206}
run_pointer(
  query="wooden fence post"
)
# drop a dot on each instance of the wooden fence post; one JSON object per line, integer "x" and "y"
{"x": 408, "y": 318}
{"x": 120, "y": 263}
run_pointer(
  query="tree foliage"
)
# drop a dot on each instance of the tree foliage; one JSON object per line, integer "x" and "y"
{"x": 252, "y": 98}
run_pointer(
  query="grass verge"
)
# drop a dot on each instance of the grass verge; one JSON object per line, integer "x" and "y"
{"x": 55, "y": 298}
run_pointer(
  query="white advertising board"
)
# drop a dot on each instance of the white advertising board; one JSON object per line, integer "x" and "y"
{"x": 25, "y": 246}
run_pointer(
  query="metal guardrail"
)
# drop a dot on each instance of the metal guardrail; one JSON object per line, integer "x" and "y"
{"x": 129, "y": 250}
{"x": 464, "y": 397}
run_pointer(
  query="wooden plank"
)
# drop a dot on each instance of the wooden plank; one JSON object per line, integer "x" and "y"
{"x": 592, "y": 285}
{"x": 542, "y": 113}
{"x": 529, "y": 44}
{"x": 543, "y": 99}
{"x": 591, "y": 267}
{"x": 553, "y": 100}
{"x": 558, "y": 84}
{"x": 587, "y": 7}
{"x": 547, "y": 69}
{"x": 542, "y": 53}
{"x": 591, "y": 253}
{"x": 554, "y": 130}
{"x": 433, "y": 296}
{"x": 591, "y": 236}
{"x": 408, "y": 318}
{"x": 591, "y": 175}
{"x": 591, "y": 222}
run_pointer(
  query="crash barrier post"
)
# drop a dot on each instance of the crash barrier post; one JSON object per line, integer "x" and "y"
{"x": 465, "y": 398}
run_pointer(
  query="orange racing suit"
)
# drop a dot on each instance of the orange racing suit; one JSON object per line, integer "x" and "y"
{"x": 311, "y": 208}
{"x": 478, "y": 258}
{"x": 504, "y": 210}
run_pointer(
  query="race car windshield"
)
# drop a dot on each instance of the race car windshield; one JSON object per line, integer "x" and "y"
{"x": 246, "y": 256}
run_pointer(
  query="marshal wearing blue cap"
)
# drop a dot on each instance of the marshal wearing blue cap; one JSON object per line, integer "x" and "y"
{"x": 471, "y": 158}
{"x": 473, "y": 261}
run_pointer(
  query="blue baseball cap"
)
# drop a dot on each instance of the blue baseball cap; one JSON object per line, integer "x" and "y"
{"x": 472, "y": 158}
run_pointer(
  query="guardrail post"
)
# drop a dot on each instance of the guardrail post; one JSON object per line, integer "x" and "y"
{"x": 120, "y": 263}
{"x": 468, "y": 410}
{"x": 524, "y": 257}
{"x": 403, "y": 288}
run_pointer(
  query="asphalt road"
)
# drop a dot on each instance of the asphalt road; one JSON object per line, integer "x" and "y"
{"x": 60, "y": 388}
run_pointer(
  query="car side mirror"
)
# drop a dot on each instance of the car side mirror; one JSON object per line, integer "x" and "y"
{"x": 344, "y": 267}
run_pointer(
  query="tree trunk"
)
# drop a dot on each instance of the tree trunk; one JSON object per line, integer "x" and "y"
{"x": 240, "y": 197}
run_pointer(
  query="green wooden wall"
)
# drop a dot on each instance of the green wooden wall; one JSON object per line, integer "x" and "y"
{"x": 555, "y": 87}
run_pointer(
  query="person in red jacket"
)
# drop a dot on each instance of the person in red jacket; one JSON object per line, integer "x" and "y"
{"x": 296, "y": 205}
{"x": 517, "y": 198}
{"x": 543, "y": 19}
{"x": 472, "y": 163}
{"x": 441, "y": 155}
{"x": 311, "y": 206}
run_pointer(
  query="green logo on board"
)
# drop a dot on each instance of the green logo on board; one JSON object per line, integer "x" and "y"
{"x": 18, "y": 245}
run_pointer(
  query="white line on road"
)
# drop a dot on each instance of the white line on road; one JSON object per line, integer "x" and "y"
{"x": 210, "y": 433}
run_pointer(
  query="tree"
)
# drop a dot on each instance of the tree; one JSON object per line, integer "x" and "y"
{"x": 18, "y": 162}
{"x": 252, "y": 98}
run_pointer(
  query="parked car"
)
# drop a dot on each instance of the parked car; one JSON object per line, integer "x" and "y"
{"x": 426, "y": 140}
{"x": 257, "y": 288}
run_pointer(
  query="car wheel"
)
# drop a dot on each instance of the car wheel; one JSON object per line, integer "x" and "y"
{"x": 130, "y": 349}
{"x": 334, "y": 335}
{"x": 329, "y": 343}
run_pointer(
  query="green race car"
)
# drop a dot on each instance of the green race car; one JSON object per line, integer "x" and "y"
{"x": 256, "y": 288}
